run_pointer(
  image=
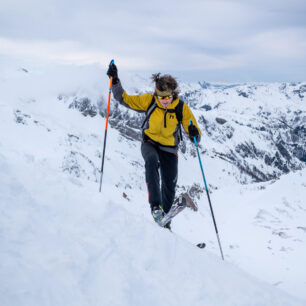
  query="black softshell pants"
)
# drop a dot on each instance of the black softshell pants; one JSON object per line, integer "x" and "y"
{"x": 155, "y": 160}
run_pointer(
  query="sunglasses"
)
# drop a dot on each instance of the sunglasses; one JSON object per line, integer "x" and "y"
{"x": 164, "y": 97}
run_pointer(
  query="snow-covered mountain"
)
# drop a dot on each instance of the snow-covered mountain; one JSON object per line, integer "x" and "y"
{"x": 260, "y": 129}
{"x": 64, "y": 243}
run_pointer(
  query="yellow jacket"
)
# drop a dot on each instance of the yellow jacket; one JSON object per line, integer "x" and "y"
{"x": 155, "y": 127}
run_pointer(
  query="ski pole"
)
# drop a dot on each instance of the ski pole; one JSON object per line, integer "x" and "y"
{"x": 106, "y": 126}
{"x": 206, "y": 188}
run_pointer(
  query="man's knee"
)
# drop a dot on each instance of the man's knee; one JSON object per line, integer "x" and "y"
{"x": 151, "y": 159}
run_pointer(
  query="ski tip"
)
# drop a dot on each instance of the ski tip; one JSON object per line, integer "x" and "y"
{"x": 201, "y": 245}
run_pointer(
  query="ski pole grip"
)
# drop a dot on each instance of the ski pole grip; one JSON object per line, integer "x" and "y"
{"x": 112, "y": 62}
{"x": 194, "y": 138}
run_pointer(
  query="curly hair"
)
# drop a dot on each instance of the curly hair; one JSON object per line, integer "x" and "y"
{"x": 166, "y": 82}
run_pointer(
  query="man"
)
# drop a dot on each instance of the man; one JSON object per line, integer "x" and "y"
{"x": 161, "y": 135}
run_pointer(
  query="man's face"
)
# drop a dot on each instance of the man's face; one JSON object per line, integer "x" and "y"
{"x": 165, "y": 101}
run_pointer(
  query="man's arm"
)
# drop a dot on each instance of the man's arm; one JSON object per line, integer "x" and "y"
{"x": 135, "y": 102}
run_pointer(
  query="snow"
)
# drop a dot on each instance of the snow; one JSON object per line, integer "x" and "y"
{"x": 64, "y": 243}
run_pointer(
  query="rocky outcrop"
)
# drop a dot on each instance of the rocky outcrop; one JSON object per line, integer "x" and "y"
{"x": 252, "y": 127}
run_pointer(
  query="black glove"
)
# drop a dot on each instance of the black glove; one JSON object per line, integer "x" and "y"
{"x": 193, "y": 132}
{"x": 113, "y": 72}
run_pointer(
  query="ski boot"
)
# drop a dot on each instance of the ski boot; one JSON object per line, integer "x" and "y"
{"x": 157, "y": 213}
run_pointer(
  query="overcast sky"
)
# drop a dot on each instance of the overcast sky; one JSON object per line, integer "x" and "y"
{"x": 196, "y": 40}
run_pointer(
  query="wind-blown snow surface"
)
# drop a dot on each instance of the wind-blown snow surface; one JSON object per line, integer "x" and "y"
{"x": 63, "y": 243}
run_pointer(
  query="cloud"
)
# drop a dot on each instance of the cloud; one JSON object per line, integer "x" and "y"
{"x": 208, "y": 35}
{"x": 59, "y": 51}
{"x": 282, "y": 44}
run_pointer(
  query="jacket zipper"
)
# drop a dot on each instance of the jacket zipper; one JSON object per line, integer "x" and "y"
{"x": 161, "y": 126}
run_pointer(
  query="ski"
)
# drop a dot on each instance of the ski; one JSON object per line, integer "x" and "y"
{"x": 176, "y": 208}
{"x": 201, "y": 245}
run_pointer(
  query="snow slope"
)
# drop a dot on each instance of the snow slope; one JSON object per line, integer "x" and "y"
{"x": 64, "y": 243}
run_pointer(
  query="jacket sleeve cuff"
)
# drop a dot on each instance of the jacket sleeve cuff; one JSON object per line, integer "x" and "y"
{"x": 118, "y": 91}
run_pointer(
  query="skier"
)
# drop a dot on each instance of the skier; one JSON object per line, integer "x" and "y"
{"x": 161, "y": 135}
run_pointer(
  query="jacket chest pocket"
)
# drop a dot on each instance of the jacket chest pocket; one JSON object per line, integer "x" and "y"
{"x": 162, "y": 122}
{"x": 170, "y": 121}
{"x": 169, "y": 124}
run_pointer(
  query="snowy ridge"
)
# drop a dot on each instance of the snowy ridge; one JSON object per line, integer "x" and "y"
{"x": 56, "y": 250}
{"x": 60, "y": 236}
